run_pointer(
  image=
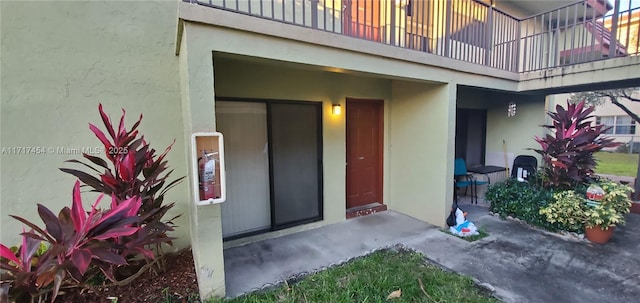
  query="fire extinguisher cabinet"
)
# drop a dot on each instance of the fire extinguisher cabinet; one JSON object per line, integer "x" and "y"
{"x": 208, "y": 177}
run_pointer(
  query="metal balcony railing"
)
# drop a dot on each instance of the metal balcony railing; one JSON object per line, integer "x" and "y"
{"x": 466, "y": 30}
{"x": 581, "y": 32}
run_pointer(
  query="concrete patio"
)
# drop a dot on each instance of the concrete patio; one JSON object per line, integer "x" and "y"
{"x": 522, "y": 264}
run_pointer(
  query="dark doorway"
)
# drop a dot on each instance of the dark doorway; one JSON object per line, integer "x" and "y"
{"x": 471, "y": 134}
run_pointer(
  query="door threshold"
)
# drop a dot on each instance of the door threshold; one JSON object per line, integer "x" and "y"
{"x": 364, "y": 210}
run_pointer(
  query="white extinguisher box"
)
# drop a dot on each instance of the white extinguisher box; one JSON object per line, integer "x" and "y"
{"x": 207, "y": 158}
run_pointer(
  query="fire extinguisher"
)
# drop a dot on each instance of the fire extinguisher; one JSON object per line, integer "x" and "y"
{"x": 207, "y": 174}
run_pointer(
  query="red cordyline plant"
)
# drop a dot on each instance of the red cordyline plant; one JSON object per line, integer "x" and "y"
{"x": 20, "y": 276}
{"x": 567, "y": 153}
{"x": 131, "y": 169}
{"x": 79, "y": 242}
{"x": 76, "y": 240}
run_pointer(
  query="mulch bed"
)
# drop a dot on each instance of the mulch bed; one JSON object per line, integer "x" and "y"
{"x": 177, "y": 284}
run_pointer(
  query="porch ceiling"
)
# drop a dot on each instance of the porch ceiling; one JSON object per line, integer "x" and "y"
{"x": 308, "y": 67}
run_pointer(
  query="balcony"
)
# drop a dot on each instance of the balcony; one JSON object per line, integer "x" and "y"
{"x": 467, "y": 30}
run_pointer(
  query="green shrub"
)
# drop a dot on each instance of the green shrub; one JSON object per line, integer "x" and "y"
{"x": 603, "y": 216}
{"x": 571, "y": 212}
{"x": 562, "y": 210}
{"x": 568, "y": 210}
{"x": 520, "y": 200}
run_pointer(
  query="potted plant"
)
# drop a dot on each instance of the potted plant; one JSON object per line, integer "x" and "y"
{"x": 600, "y": 222}
{"x": 574, "y": 212}
{"x": 616, "y": 195}
{"x": 601, "y": 219}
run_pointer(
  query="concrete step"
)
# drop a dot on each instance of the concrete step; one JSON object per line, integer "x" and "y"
{"x": 364, "y": 210}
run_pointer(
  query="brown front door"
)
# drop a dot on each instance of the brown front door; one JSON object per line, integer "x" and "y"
{"x": 364, "y": 152}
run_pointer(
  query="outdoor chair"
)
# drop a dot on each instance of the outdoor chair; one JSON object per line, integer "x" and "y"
{"x": 524, "y": 167}
{"x": 464, "y": 179}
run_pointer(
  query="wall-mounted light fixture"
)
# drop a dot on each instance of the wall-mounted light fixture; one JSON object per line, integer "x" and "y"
{"x": 511, "y": 109}
{"x": 336, "y": 109}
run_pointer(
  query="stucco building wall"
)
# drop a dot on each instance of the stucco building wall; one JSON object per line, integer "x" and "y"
{"x": 59, "y": 61}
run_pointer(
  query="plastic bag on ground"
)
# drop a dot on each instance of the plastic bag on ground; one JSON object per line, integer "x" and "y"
{"x": 463, "y": 227}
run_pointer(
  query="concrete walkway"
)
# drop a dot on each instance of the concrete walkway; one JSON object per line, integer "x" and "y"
{"x": 255, "y": 265}
{"x": 522, "y": 264}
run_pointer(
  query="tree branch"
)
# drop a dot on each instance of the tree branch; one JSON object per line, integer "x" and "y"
{"x": 628, "y": 96}
{"x": 614, "y": 100}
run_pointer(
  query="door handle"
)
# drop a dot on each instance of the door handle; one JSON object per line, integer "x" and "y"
{"x": 360, "y": 158}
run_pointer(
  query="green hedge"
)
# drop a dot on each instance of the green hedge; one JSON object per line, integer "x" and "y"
{"x": 521, "y": 200}
{"x": 524, "y": 200}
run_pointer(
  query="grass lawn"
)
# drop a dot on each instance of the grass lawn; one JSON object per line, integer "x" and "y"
{"x": 372, "y": 278}
{"x": 618, "y": 164}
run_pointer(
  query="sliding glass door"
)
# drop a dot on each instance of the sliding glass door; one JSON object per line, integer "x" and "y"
{"x": 274, "y": 159}
{"x": 244, "y": 126}
{"x": 295, "y": 162}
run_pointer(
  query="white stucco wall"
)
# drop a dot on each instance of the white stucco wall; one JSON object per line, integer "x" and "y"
{"x": 59, "y": 60}
{"x": 609, "y": 109}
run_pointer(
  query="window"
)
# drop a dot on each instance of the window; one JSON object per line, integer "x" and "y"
{"x": 620, "y": 125}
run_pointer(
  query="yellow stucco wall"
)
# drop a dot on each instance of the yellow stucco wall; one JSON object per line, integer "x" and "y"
{"x": 293, "y": 72}
{"x": 518, "y": 132}
{"x": 268, "y": 76}
{"x": 422, "y": 139}
{"x": 410, "y": 166}
{"x": 197, "y": 97}
{"x": 59, "y": 60}
{"x": 295, "y": 82}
